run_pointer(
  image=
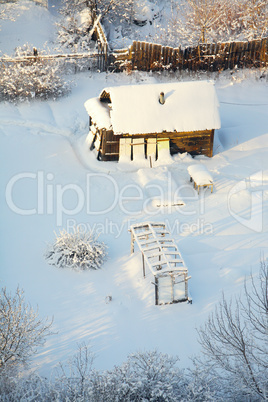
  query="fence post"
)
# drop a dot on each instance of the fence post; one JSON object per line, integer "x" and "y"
{"x": 143, "y": 56}
{"x": 134, "y": 54}
{"x": 159, "y": 55}
{"x": 263, "y": 51}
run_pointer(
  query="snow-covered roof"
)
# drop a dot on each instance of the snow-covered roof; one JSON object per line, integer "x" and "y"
{"x": 99, "y": 112}
{"x": 200, "y": 174}
{"x": 135, "y": 109}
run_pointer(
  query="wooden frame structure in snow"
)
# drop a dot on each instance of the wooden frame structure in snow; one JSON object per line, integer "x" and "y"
{"x": 200, "y": 176}
{"x": 161, "y": 255}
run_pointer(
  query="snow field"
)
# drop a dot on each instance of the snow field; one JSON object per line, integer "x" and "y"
{"x": 47, "y": 139}
{"x": 47, "y": 170}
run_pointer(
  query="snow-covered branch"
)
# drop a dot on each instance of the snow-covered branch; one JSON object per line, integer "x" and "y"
{"x": 21, "y": 329}
{"x": 234, "y": 339}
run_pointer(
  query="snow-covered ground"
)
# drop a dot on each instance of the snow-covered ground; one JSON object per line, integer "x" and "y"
{"x": 50, "y": 180}
{"x": 29, "y": 23}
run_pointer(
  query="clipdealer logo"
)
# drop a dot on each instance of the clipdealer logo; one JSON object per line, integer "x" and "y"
{"x": 255, "y": 209}
{"x": 46, "y": 197}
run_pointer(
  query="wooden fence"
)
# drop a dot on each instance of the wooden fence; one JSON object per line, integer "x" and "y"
{"x": 100, "y": 58}
{"x": 69, "y": 63}
{"x": 98, "y": 34}
{"x": 146, "y": 56}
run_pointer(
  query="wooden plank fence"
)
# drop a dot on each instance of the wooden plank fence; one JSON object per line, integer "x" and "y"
{"x": 146, "y": 56}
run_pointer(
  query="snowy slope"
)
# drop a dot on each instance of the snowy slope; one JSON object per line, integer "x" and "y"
{"x": 47, "y": 169}
{"x": 30, "y": 23}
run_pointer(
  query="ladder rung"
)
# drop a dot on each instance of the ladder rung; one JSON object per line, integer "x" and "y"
{"x": 169, "y": 246}
{"x": 162, "y": 232}
{"x": 155, "y": 254}
{"x": 151, "y": 248}
{"x": 172, "y": 253}
{"x": 142, "y": 243}
{"x": 176, "y": 261}
{"x": 144, "y": 234}
{"x": 166, "y": 262}
{"x": 159, "y": 263}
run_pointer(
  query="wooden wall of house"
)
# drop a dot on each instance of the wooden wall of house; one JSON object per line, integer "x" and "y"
{"x": 109, "y": 146}
{"x": 195, "y": 143}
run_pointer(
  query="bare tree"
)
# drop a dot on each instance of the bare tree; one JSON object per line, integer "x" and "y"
{"x": 254, "y": 18}
{"x": 94, "y": 6}
{"x": 202, "y": 21}
{"x": 255, "y": 312}
{"x": 74, "y": 379}
{"x": 105, "y": 8}
{"x": 199, "y": 20}
{"x": 80, "y": 15}
{"x": 235, "y": 339}
{"x": 21, "y": 330}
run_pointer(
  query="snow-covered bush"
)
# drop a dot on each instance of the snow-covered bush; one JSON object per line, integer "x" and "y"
{"x": 79, "y": 250}
{"x": 20, "y": 386}
{"x": 34, "y": 78}
{"x": 25, "y": 388}
{"x": 145, "y": 376}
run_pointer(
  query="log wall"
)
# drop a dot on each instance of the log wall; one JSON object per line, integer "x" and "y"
{"x": 195, "y": 143}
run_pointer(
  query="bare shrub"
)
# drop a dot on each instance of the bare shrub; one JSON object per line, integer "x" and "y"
{"x": 79, "y": 250}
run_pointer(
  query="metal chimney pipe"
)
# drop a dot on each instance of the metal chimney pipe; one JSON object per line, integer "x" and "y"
{"x": 162, "y": 98}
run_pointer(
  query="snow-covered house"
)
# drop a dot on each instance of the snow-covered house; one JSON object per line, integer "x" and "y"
{"x": 183, "y": 114}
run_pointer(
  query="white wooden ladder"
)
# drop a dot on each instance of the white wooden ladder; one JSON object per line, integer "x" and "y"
{"x": 159, "y": 253}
